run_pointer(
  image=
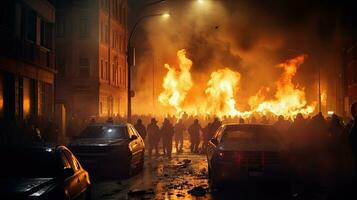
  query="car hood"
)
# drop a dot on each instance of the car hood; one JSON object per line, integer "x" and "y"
{"x": 98, "y": 142}
{"x": 249, "y": 146}
{"x": 22, "y": 187}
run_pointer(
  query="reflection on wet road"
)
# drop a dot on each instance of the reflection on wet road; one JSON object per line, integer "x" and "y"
{"x": 184, "y": 176}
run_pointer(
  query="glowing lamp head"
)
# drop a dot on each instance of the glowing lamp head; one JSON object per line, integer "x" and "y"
{"x": 166, "y": 15}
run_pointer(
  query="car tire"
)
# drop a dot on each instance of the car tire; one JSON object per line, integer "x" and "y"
{"x": 142, "y": 160}
{"x": 212, "y": 180}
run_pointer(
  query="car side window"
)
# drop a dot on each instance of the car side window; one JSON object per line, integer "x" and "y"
{"x": 134, "y": 131}
{"x": 220, "y": 134}
{"x": 65, "y": 161}
{"x": 72, "y": 161}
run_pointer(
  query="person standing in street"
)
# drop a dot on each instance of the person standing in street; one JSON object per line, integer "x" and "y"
{"x": 194, "y": 132}
{"x": 140, "y": 128}
{"x": 179, "y": 130}
{"x": 153, "y": 132}
{"x": 353, "y": 133}
{"x": 167, "y": 132}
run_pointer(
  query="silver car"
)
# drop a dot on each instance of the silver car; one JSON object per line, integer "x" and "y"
{"x": 245, "y": 152}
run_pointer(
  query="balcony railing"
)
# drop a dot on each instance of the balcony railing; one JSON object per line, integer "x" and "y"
{"x": 26, "y": 50}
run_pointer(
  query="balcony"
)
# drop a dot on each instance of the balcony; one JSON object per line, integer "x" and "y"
{"x": 26, "y": 51}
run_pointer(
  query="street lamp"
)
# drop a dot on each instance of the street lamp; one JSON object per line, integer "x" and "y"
{"x": 131, "y": 56}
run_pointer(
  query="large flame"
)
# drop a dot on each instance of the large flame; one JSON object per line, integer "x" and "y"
{"x": 219, "y": 99}
{"x": 289, "y": 99}
{"x": 177, "y": 83}
{"x": 220, "y": 93}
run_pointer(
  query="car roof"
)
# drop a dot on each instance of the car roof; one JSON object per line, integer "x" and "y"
{"x": 124, "y": 124}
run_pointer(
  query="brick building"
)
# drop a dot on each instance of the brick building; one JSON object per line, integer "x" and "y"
{"x": 26, "y": 59}
{"x": 91, "y": 45}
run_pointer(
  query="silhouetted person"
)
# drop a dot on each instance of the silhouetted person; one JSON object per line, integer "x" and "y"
{"x": 153, "y": 132}
{"x": 194, "y": 132}
{"x": 167, "y": 132}
{"x": 241, "y": 120}
{"x": 206, "y": 135}
{"x": 353, "y": 133}
{"x": 253, "y": 120}
{"x": 281, "y": 125}
{"x": 179, "y": 130}
{"x": 264, "y": 120}
{"x": 335, "y": 127}
{"x": 139, "y": 126}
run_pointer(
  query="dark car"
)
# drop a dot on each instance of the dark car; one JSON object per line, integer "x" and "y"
{"x": 246, "y": 152}
{"x": 42, "y": 172}
{"x": 110, "y": 149}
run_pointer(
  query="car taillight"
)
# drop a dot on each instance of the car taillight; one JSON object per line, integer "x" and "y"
{"x": 230, "y": 156}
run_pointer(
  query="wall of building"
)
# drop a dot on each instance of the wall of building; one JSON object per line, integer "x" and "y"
{"x": 91, "y": 80}
{"x": 26, "y": 59}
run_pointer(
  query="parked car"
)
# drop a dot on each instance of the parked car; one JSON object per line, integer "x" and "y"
{"x": 110, "y": 149}
{"x": 42, "y": 172}
{"x": 246, "y": 152}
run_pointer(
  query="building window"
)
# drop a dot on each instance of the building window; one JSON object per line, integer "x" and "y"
{"x": 101, "y": 32}
{"x": 84, "y": 71}
{"x": 100, "y": 108}
{"x": 101, "y": 69}
{"x": 30, "y": 24}
{"x": 107, "y": 71}
{"x": 61, "y": 67}
{"x": 46, "y": 34}
{"x": 60, "y": 27}
{"x": 106, "y": 34}
{"x": 83, "y": 28}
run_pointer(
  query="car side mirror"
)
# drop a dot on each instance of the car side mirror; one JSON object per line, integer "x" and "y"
{"x": 133, "y": 137}
{"x": 214, "y": 141}
{"x": 68, "y": 172}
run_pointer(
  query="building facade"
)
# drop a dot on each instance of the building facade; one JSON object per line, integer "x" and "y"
{"x": 91, "y": 44}
{"x": 350, "y": 76}
{"x": 27, "y": 59}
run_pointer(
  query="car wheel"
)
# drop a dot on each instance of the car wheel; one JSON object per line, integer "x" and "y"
{"x": 141, "y": 164}
{"x": 212, "y": 180}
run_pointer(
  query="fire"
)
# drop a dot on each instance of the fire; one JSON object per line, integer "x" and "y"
{"x": 177, "y": 83}
{"x": 289, "y": 99}
{"x": 219, "y": 94}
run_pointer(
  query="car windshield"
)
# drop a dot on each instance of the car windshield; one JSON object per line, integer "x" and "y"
{"x": 29, "y": 163}
{"x": 105, "y": 132}
{"x": 251, "y": 134}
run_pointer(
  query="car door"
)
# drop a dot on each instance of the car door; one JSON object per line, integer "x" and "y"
{"x": 79, "y": 174}
{"x": 70, "y": 183}
{"x": 211, "y": 148}
{"x": 135, "y": 146}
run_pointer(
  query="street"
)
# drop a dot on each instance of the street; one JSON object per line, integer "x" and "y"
{"x": 176, "y": 178}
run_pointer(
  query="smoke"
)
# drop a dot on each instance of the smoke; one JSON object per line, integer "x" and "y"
{"x": 250, "y": 37}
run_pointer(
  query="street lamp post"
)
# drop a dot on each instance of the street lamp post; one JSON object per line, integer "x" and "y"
{"x": 131, "y": 57}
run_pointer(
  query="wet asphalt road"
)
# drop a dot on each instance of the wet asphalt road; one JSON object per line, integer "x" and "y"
{"x": 164, "y": 178}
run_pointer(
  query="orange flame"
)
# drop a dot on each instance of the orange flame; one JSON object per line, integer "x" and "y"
{"x": 289, "y": 99}
{"x": 177, "y": 83}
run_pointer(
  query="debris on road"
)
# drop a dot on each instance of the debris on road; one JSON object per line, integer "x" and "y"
{"x": 198, "y": 191}
{"x": 140, "y": 192}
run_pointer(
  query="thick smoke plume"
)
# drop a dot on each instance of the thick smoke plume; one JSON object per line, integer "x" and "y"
{"x": 250, "y": 37}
